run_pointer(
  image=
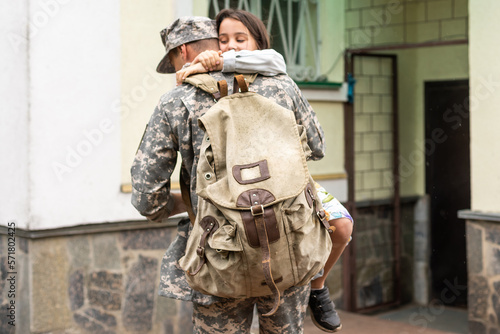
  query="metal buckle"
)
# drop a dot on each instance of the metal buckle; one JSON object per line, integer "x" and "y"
{"x": 257, "y": 213}
{"x": 321, "y": 214}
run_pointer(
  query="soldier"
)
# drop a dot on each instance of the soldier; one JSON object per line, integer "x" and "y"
{"x": 256, "y": 57}
{"x": 173, "y": 128}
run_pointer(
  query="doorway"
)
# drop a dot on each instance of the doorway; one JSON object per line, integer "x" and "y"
{"x": 447, "y": 175}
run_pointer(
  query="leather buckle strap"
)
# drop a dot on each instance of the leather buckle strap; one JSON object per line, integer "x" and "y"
{"x": 209, "y": 225}
{"x": 266, "y": 262}
{"x": 257, "y": 210}
{"x": 253, "y": 201}
{"x": 320, "y": 213}
{"x": 200, "y": 251}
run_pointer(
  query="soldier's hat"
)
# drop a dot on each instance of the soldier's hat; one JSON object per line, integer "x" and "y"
{"x": 184, "y": 30}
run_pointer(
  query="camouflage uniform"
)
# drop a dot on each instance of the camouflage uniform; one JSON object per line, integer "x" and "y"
{"x": 173, "y": 128}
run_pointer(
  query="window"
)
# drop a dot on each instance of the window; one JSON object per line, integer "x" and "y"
{"x": 293, "y": 28}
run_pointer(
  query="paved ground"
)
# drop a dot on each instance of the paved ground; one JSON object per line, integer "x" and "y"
{"x": 360, "y": 324}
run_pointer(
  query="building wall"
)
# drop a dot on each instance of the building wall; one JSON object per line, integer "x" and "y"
{"x": 483, "y": 229}
{"x": 376, "y": 280}
{"x": 484, "y": 100}
{"x": 102, "y": 282}
{"x": 483, "y": 258}
{"x": 64, "y": 135}
{"x": 84, "y": 86}
{"x": 415, "y": 67}
{"x": 106, "y": 279}
{"x": 407, "y": 22}
{"x": 14, "y": 116}
{"x": 140, "y": 85}
{"x": 410, "y": 30}
{"x": 387, "y": 22}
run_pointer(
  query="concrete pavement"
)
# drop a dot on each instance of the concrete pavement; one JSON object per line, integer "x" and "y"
{"x": 353, "y": 323}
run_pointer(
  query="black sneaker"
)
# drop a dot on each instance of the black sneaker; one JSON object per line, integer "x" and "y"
{"x": 323, "y": 311}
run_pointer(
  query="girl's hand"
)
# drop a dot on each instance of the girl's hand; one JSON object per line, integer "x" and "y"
{"x": 211, "y": 60}
{"x": 181, "y": 75}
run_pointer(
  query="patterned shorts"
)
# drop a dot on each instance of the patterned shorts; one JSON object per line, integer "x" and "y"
{"x": 334, "y": 209}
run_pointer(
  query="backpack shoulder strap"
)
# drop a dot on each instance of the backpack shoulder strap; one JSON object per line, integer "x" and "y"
{"x": 216, "y": 88}
{"x": 250, "y": 78}
{"x": 208, "y": 84}
{"x": 240, "y": 84}
{"x": 186, "y": 196}
{"x": 204, "y": 82}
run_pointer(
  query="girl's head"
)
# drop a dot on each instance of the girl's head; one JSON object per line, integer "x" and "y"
{"x": 241, "y": 30}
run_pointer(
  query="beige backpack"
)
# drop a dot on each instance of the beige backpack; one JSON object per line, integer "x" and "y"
{"x": 260, "y": 227}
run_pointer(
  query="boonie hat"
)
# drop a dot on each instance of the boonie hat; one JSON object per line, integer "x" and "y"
{"x": 184, "y": 30}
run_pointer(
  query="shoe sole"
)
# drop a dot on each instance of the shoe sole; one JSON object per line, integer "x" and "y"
{"x": 323, "y": 328}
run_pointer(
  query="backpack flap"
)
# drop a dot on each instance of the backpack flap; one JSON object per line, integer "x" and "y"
{"x": 255, "y": 147}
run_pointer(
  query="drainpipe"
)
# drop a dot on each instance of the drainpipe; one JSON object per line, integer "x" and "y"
{"x": 421, "y": 272}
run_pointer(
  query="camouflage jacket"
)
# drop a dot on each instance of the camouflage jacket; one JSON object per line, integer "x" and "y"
{"x": 173, "y": 128}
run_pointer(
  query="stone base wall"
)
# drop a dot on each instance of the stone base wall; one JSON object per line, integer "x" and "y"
{"x": 483, "y": 261}
{"x": 94, "y": 283}
{"x": 107, "y": 282}
{"x": 375, "y": 276}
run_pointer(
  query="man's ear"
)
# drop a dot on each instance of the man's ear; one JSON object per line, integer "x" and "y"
{"x": 184, "y": 52}
{"x": 189, "y": 53}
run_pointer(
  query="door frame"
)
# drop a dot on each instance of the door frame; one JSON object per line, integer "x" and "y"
{"x": 349, "y": 260}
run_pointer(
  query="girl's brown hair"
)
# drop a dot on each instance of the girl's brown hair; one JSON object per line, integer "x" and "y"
{"x": 254, "y": 25}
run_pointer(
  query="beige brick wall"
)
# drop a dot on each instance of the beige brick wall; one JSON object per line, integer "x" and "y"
{"x": 389, "y": 22}
{"x": 373, "y": 120}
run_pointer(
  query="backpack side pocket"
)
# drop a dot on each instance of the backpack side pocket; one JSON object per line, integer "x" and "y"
{"x": 311, "y": 243}
{"x": 222, "y": 272}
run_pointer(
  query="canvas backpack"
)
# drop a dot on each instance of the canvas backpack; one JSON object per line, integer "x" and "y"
{"x": 260, "y": 227}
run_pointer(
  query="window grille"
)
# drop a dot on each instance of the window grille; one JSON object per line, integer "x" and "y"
{"x": 293, "y": 26}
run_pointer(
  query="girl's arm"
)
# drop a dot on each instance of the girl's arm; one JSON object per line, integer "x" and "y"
{"x": 266, "y": 62}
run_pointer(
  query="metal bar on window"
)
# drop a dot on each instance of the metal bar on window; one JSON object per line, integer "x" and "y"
{"x": 283, "y": 32}
{"x": 215, "y": 3}
{"x": 314, "y": 42}
{"x": 298, "y": 31}
{"x": 243, "y": 4}
{"x": 270, "y": 19}
{"x": 289, "y": 19}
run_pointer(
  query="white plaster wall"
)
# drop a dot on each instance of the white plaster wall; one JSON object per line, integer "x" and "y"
{"x": 141, "y": 86}
{"x": 14, "y": 189}
{"x": 74, "y": 132}
{"x": 484, "y": 104}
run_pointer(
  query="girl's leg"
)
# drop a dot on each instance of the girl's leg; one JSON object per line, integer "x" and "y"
{"x": 323, "y": 311}
{"x": 340, "y": 238}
